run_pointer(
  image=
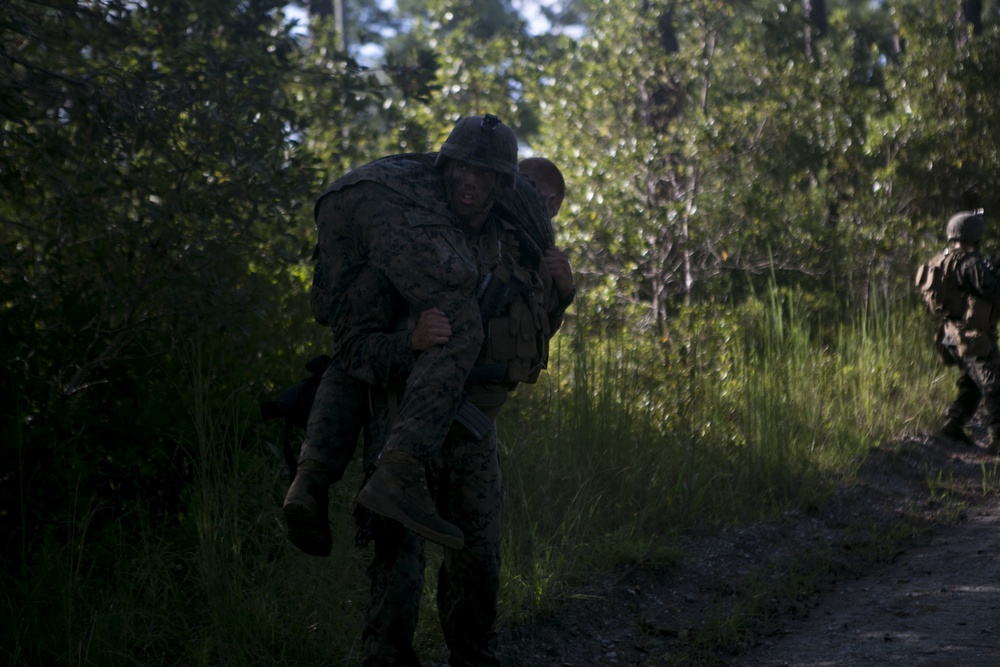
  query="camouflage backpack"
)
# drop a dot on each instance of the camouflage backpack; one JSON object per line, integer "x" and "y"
{"x": 936, "y": 281}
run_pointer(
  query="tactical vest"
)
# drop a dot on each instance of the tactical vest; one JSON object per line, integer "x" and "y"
{"x": 517, "y": 335}
{"x": 938, "y": 284}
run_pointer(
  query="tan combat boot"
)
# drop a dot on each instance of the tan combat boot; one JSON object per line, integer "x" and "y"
{"x": 306, "y": 507}
{"x": 398, "y": 490}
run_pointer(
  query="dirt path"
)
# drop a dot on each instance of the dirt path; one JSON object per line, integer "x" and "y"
{"x": 937, "y": 604}
{"x": 901, "y": 566}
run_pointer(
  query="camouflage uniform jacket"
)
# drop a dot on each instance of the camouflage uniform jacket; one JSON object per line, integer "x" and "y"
{"x": 414, "y": 179}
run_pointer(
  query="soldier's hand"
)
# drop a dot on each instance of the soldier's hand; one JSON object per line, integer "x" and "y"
{"x": 560, "y": 270}
{"x": 432, "y": 328}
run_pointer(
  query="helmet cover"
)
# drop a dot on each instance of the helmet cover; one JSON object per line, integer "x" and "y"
{"x": 967, "y": 226}
{"x": 483, "y": 141}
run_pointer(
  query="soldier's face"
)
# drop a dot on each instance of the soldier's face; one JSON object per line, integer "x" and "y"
{"x": 546, "y": 189}
{"x": 471, "y": 187}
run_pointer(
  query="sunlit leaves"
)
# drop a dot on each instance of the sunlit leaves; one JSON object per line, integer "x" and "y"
{"x": 750, "y": 152}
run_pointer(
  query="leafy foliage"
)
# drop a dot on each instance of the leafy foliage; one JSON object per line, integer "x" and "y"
{"x": 152, "y": 195}
{"x": 697, "y": 170}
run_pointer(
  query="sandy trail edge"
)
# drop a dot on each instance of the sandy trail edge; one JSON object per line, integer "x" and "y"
{"x": 933, "y": 602}
{"x": 935, "y": 605}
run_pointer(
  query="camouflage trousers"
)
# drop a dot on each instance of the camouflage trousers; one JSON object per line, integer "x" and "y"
{"x": 978, "y": 385}
{"x": 339, "y": 413}
{"x": 425, "y": 258}
{"x": 467, "y": 484}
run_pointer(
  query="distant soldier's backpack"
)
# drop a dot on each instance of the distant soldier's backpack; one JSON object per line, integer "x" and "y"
{"x": 938, "y": 287}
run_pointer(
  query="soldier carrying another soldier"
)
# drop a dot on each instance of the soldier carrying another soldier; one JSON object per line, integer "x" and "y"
{"x": 520, "y": 285}
{"x": 397, "y": 219}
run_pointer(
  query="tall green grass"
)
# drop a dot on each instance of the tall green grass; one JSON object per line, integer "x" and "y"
{"x": 624, "y": 444}
{"x": 216, "y": 585}
{"x": 735, "y": 417}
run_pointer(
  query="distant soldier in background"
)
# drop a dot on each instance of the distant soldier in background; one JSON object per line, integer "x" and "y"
{"x": 959, "y": 285}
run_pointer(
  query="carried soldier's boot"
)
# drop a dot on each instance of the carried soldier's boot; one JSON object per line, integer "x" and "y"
{"x": 953, "y": 429}
{"x": 398, "y": 490}
{"x": 306, "y": 507}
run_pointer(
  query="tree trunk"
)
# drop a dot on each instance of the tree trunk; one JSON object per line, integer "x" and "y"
{"x": 972, "y": 13}
{"x": 816, "y": 23}
{"x": 337, "y": 9}
{"x": 321, "y": 8}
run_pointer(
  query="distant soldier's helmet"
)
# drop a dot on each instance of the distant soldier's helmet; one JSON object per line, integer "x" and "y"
{"x": 966, "y": 226}
{"x": 485, "y": 142}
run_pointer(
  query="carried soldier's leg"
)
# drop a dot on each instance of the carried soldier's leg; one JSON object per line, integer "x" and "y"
{"x": 398, "y": 489}
{"x": 430, "y": 267}
{"x": 336, "y": 420}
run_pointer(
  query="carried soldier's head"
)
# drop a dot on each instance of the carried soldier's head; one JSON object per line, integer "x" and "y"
{"x": 479, "y": 161}
{"x": 967, "y": 226}
{"x": 546, "y": 178}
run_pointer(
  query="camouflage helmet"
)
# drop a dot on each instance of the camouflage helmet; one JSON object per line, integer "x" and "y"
{"x": 483, "y": 141}
{"x": 966, "y": 226}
